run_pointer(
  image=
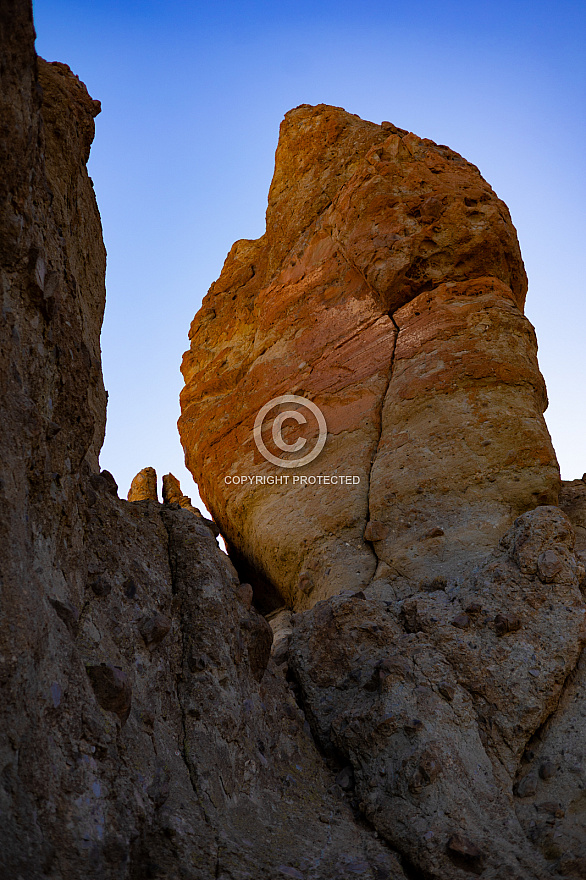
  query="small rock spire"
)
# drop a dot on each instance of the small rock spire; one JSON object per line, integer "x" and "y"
{"x": 144, "y": 486}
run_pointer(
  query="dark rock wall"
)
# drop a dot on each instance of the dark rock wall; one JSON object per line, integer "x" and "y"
{"x": 144, "y": 730}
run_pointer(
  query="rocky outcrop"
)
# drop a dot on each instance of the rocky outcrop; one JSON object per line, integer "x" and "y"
{"x": 152, "y": 722}
{"x": 437, "y": 698}
{"x": 144, "y": 729}
{"x": 388, "y": 290}
{"x": 437, "y": 649}
{"x": 144, "y": 486}
{"x": 172, "y": 494}
{"x": 573, "y": 503}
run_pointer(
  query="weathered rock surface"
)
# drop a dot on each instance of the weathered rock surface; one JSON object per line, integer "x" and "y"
{"x": 388, "y": 289}
{"x": 573, "y": 503}
{"x": 144, "y": 729}
{"x": 172, "y": 494}
{"x": 147, "y": 728}
{"x": 437, "y": 708}
{"x": 144, "y": 486}
{"x": 438, "y": 643}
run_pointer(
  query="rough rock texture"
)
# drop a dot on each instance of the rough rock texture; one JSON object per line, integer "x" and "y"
{"x": 172, "y": 494}
{"x": 446, "y": 701}
{"x": 151, "y": 725}
{"x": 437, "y": 647}
{"x": 573, "y": 503}
{"x": 144, "y": 486}
{"x": 388, "y": 289}
{"x": 144, "y": 730}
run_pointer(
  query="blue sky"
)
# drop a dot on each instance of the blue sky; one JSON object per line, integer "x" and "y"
{"x": 192, "y": 96}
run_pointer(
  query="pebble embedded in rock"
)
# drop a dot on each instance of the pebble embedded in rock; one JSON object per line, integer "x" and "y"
{"x": 68, "y": 613}
{"x": 52, "y": 430}
{"x": 547, "y": 770}
{"x": 473, "y": 608}
{"x": 430, "y": 585}
{"x": 506, "y": 623}
{"x": 549, "y": 564}
{"x": 447, "y": 690}
{"x": 345, "y": 778}
{"x": 527, "y": 786}
{"x": 112, "y": 689}
{"x": 147, "y": 717}
{"x": 466, "y": 854}
{"x": 427, "y": 772}
{"x": 434, "y": 533}
{"x": 555, "y": 809}
{"x": 305, "y": 582}
{"x": 100, "y": 585}
{"x": 154, "y": 629}
{"x": 376, "y": 531}
{"x": 129, "y": 587}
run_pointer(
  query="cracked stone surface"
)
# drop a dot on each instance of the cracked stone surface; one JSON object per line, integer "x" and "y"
{"x": 388, "y": 289}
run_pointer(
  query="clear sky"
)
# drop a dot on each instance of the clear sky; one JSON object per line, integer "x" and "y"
{"x": 192, "y": 96}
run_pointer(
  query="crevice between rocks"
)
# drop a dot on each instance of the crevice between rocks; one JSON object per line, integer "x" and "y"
{"x": 177, "y": 676}
{"x": 335, "y": 760}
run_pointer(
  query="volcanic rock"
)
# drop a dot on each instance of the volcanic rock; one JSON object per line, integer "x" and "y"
{"x": 112, "y": 689}
{"x": 439, "y": 653}
{"x": 388, "y": 290}
{"x": 154, "y": 629}
{"x": 146, "y": 729}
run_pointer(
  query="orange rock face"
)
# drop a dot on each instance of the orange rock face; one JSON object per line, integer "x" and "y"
{"x": 144, "y": 486}
{"x": 387, "y": 290}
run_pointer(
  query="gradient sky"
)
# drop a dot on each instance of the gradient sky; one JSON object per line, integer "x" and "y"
{"x": 192, "y": 97}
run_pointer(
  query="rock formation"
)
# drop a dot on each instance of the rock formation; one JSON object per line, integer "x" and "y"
{"x": 427, "y": 726}
{"x": 144, "y": 729}
{"x": 437, "y": 648}
{"x": 388, "y": 289}
{"x": 439, "y": 701}
{"x": 172, "y": 494}
{"x": 144, "y": 486}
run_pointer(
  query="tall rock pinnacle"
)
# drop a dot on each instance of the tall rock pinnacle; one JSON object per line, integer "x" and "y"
{"x": 388, "y": 290}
